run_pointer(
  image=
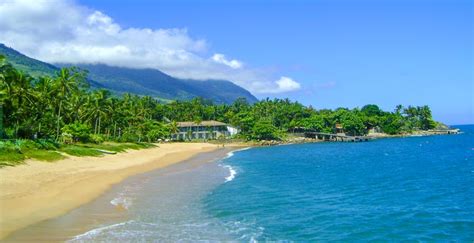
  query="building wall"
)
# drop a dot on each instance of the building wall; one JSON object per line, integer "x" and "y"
{"x": 232, "y": 130}
{"x": 205, "y": 132}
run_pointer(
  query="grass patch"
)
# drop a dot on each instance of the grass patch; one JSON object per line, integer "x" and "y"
{"x": 107, "y": 146}
{"x": 137, "y": 145}
{"x": 44, "y": 155}
{"x": 76, "y": 150}
{"x": 15, "y": 152}
{"x": 117, "y": 147}
{"x": 11, "y": 157}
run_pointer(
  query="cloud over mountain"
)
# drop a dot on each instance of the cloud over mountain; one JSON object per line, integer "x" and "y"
{"x": 62, "y": 31}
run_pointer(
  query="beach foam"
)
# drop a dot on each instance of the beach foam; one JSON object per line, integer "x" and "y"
{"x": 89, "y": 235}
{"x": 230, "y": 154}
{"x": 232, "y": 173}
{"x": 124, "y": 199}
{"x": 122, "y": 202}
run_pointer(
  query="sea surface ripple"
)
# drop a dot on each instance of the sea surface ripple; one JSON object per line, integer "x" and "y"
{"x": 417, "y": 188}
{"x": 398, "y": 189}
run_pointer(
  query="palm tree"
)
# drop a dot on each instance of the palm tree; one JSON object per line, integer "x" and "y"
{"x": 44, "y": 90}
{"x": 65, "y": 84}
{"x": 3, "y": 90}
{"x": 3, "y": 95}
{"x": 173, "y": 127}
{"x": 20, "y": 95}
{"x": 98, "y": 108}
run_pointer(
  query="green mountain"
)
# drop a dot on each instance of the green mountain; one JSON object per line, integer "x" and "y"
{"x": 155, "y": 83}
{"x": 32, "y": 66}
{"x": 150, "y": 82}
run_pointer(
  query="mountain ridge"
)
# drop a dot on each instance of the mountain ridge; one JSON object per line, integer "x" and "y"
{"x": 145, "y": 81}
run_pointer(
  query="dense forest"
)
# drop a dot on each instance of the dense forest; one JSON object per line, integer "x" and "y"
{"x": 63, "y": 108}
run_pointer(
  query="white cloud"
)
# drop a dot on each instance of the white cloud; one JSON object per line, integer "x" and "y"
{"x": 220, "y": 58}
{"x": 284, "y": 84}
{"x": 62, "y": 31}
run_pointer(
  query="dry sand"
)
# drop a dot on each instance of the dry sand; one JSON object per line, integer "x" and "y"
{"x": 38, "y": 190}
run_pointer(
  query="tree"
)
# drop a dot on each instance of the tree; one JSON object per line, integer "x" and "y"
{"x": 47, "y": 107}
{"x": 80, "y": 132}
{"x": 353, "y": 125}
{"x": 392, "y": 124}
{"x": 99, "y": 108}
{"x": 426, "y": 120}
{"x": 67, "y": 83}
{"x": 265, "y": 130}
{"x": 371, "y": 110}
{"x": 314, "y": 122}
{"x": 3, "y": 91}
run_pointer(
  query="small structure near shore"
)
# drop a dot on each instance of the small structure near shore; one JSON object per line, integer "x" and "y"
{"x": 204, "y": 130}
{"x": 338, "y": 134}
{"x": 445, "y": 131}
{"x": 339, "y": 129}
{"x": 336, "y": 137}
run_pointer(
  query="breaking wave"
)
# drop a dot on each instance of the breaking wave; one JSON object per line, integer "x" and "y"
{"x": 232, "y": 173}
{"x": 91, "y": 234}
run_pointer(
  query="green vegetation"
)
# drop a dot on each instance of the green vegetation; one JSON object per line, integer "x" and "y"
{"x": 9, "y": 158}
{"x": 62, "y": 113}
{"x": 13, "y": 152}
{"x": 43, "y": 155}
{"x": 76, "y": 150}
{"x": 33, "y": 67}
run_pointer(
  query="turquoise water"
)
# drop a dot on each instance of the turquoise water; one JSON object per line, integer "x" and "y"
{"x": 417, "y": 188}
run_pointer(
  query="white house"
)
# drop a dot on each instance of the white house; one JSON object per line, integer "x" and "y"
{"x": 204, "y": 130}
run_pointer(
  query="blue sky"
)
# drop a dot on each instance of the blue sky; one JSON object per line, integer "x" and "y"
{"x": 327, "y": 54}
{"x": 344, "y": 53}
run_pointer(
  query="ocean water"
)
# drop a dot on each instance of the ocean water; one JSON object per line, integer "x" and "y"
{"x": 417, "y": 188}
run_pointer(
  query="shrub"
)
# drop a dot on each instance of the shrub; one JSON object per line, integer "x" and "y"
{"x": 129, "y": 137}
{"x": 67, "y": 138}
{"x": 46, "y": 144}
{"x": 95, "y": 138}
{"x": 79, "y": 132}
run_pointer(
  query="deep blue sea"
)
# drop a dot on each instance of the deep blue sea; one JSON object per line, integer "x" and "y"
{"x": 396, "y": 189}
{"x": 417, "y": 188}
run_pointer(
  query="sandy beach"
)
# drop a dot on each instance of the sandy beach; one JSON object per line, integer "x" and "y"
{"x": 37, "y": 191}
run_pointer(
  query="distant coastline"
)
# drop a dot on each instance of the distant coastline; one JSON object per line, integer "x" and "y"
{"x": 299, "y": 139}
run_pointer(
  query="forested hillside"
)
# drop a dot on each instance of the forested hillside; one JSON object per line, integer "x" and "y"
{"x": 155, "y": 83}
{"x": 150, "y": 82}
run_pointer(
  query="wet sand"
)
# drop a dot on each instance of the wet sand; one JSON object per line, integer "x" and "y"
{"x": 100, "y": 211}
{"x": 39, "y": 191}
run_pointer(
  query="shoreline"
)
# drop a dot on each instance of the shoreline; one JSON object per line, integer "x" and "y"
{"x": 374, "y": 136}
{"x": 37, "y": 191}
{"x": 59, "y": 187}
